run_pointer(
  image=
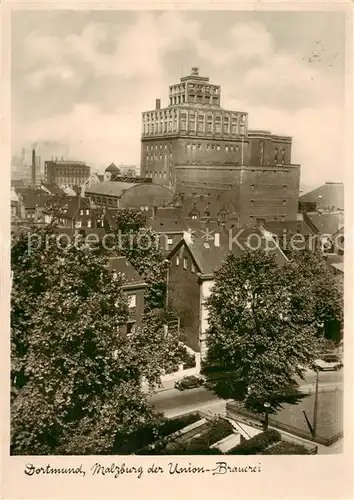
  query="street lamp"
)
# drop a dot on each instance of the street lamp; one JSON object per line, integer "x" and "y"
{"x": 266, "y": 415}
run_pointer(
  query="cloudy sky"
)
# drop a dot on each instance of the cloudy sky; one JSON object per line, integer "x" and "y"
{"x": 80, "y": 80}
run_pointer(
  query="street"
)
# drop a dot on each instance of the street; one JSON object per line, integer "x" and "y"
{"x": 173, "y": 402}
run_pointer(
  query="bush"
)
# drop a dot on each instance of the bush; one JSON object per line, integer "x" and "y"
{"x": 256, "y": 444}
{"x": 178, "y": 423}
{"x": 166, "y": 429}
{"x": 219, "y": 429}
{"x": 286, "y": 448}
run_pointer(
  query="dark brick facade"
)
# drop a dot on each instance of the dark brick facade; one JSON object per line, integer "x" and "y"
{"x": 196, "y": 147}
{"x": 66, "y": 172}
{"x": 184, "y": 295}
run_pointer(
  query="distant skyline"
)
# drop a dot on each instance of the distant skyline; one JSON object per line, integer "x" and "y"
{"x": 80, "y": 80}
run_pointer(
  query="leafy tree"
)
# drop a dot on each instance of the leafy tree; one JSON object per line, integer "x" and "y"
{"x": 141, "y": 245}
{"x": 76, "y": 381}
{"x": 325, "y": 288}
{"x": 259, "y": 329}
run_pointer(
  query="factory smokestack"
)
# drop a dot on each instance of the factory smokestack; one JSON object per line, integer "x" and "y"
{"x": 33, "y": 167}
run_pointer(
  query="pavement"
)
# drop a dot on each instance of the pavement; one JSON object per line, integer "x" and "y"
{"x": 173, "y": 402}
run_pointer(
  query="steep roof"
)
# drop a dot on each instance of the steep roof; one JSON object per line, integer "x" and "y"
{"x": 330, "y": 194}
{"x": 111, "y": 188}
{"x": 209, "y": 257}
{"x": 52, "y": 188}
{"x": 292, "y": 227}
{"x": 35, "y": 199}
{"x": 112, "y": 168}
{"x": 122, "y": 265}
{"x": 326, "y": 223}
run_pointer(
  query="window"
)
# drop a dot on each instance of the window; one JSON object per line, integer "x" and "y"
{"x": 115, "y": 275}
{"x": 88, "y": 223}
{"x": 252, "y": 187}
{"x": 130, "y": 328}
{"x": 194, "y": 217}
{"x": 192, "y": 267}
{"x": 81, "y": 212}
{"x": 169, "y": 240}
{"x": 184, "y": 263}
{"x": 217, "y": 128}
{"x": 177, "y": 260}
{"x": 218, "y": 147}
{"x": 78, "y": 223}
{"x": 284, "y": 202}
{"x": 132, "y": 301}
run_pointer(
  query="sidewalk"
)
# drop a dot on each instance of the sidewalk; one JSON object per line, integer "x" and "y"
{"x": 165, "y": 386}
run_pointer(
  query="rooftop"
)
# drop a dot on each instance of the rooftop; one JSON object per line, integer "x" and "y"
{"x": 330, "y": 194}
{"x": 325, "y": 223}
{"x": 122, "y": 265}
{"x": 111, "y": 188}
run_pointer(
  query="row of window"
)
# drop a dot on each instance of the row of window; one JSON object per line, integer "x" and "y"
{"x": 281, "y": 218}
{"x": 156, "y": 156}
{"x": 78, "y": 223}
{"x": 151, "y": 147}
{"x": 104, "y": 199}
{"x": 209, "y": 116}
{"x": 283, "y": 202}
{"x": 185, "y": 263}
{"x": 153, "y": 173}
{"x": 215, "y": 147}
{"x": 69, "y": 172}
{"x": 205, "y": 89}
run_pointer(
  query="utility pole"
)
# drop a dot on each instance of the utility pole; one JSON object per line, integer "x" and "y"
{"x": 242, "y": 150}
{"x": 315, "y": 408}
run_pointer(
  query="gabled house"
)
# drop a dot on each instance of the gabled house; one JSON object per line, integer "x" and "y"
{"x": 76, "y": 212}
{"x": 191, "y": 276}
{"x": 134, "y": 287}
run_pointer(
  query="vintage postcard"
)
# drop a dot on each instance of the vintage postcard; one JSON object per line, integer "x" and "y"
{"x": 177, "y": 243}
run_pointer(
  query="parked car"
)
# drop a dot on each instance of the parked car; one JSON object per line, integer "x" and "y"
{"x": 329, "y": 362}
{"x": 189, "y": 382}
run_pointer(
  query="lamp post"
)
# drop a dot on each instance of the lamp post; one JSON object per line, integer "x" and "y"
{"x": 315, "y": 408}
{"x": 266, "y": 415}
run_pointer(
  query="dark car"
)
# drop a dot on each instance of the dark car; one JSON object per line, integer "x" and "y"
{"x": 328, "y": 362}
{"x": 189, "y": 382}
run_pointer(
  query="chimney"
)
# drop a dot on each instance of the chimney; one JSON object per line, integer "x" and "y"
{"x": 158, "y": 104}
{"x": 33, "y": 167}
{"x": 217, "y": 239}
{"x": 187, "y": 236}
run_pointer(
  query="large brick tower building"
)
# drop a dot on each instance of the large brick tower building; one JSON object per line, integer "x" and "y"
{"x": 196, "y": 147}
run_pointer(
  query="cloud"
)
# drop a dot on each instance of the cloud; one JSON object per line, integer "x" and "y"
{"x": 105, "y": 74}
{"x": 247, "y": 42}
{"x": 91, "y": 135}
{"x": 138, "y": 49}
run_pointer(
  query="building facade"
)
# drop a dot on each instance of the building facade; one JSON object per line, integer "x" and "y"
{"x": 196, "y": 147}
{"x": 62, "y": 172}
